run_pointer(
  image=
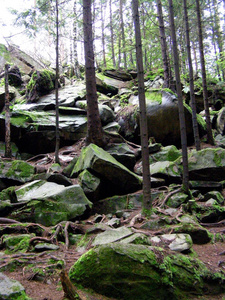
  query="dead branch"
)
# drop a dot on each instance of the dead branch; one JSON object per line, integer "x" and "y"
{"x": 66, "y": 235}
{"x": 68, "y": 288}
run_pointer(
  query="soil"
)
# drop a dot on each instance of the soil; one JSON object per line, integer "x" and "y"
{"x": 212, "y": 254}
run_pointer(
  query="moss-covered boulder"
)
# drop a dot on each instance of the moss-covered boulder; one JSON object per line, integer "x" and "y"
{"x": 168, "y": 153}
{"x": 11, "y": 289}
{"x": 115, "y": 177}
{"x": 49, "y": 203}
{"x": 41, "y": 83}
{"x": 90, "y": 185}
{"x": 16, "y": 170}
{"x": 143, "y": 272}
{"x": 18, "y": 242}
{"x": 207, "y": 164}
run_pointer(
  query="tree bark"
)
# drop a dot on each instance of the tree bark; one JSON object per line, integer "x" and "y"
{"x": 147, "y": 203}
{"x": 57, "y": 87}
{"x": 123, "y": 35}
{"x": 191, "y": 81}
{"x": 8, "y": 151}
{"x": 76, "y": 64}
{"x": 112, "y": 33}
{"x": 94, "y": 126}
{"x": 204, "y": 83}
{"x": 103, "y": 33}
{"x": 166, "y": 69}
{"x": 180, "y": 100}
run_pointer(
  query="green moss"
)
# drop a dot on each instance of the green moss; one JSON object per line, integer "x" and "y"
{"x": 21, "y": 169}
{"x": 200, "y": 119}
{"x": 154, "y": 96}
{"x": 6, "y": 193}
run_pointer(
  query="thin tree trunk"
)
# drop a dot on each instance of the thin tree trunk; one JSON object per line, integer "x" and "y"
{"x": 217, "y": 69}
{"x": 8, "y": 151}
{"x": 123, "y": 35}
{"x": 219, "y": 35}
{"x": 94, "y": 131}
{"x": 195, "y": 58}
{"x": 204, "y": 83}
{"x": 163, "y": 45}
{"x": 180, "y": 100}
{"x": 112, "y": 33}
{"x": 76, "y": 64}
{"x": 191, "y": 81}
{"x": 56, "y": 87}
{"x": 103, "y": 33}
{"x": 147, "y": 203}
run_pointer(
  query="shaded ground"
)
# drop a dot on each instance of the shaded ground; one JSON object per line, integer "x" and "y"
{"x": 212, "y": 254}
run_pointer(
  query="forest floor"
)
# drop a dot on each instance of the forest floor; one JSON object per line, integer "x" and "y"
{"x": 212, "y": 254}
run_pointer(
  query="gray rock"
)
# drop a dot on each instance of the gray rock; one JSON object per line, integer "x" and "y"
{"x": 45, "y": 247}
{"x": 51, "y": 203}
{"x": 117, "y": 177}
{"x": 17, "y": 170}
{"x": 216, "y": 195}
{"x": 10, "y": 288}
{"x": 111, "y": 236}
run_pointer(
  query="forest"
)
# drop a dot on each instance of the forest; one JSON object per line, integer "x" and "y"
{"x": 112, "y": 151}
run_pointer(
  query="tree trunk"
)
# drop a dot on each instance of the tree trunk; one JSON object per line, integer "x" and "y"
{"x": 180, "y": 100}
{"x": 204, "y": 83}
{"x": 94, "y": 130}
{"x": 103, "y": 33}
{"x": 56, "y": 87}
{"x": 147, "y": 203}
{"x": 76, "y": 64}
{"x": 191, "y": 81}
{"x": 123, "y": 35}
{"x": 8, "y": 151}
{"x": 163, "y": 44}
{"x": 219, "y": 36}
{"x": 112, "y": 33}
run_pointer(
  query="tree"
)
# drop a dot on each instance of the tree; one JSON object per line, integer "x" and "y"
{"x": 123, "y": 34}
{"x": 8, "y": 151}
{"x": 75, "y": 54}
{"x": 111, "y": 33}
{"x": 191, "y": 80}
{"x": 57, "y": 136}
{"x": 204, "y": 82}
{"x": 163, "y": 43}
{"x": 180, "y": 100}
{"x": 143, "y": 118}
{"x": 94, "y": 130}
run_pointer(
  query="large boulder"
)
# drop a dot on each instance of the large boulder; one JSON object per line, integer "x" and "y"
{"x": 143, "y": 272}
{"x": 16, "y": 171}
{"x": 115, "y": 177}
{"x": 205, "y": 165}
{"x": 163, "y": 121}
{"x": 49, "y": 203}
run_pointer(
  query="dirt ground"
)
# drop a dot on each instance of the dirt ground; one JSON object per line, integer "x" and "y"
{"x": 212, "y": 254}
